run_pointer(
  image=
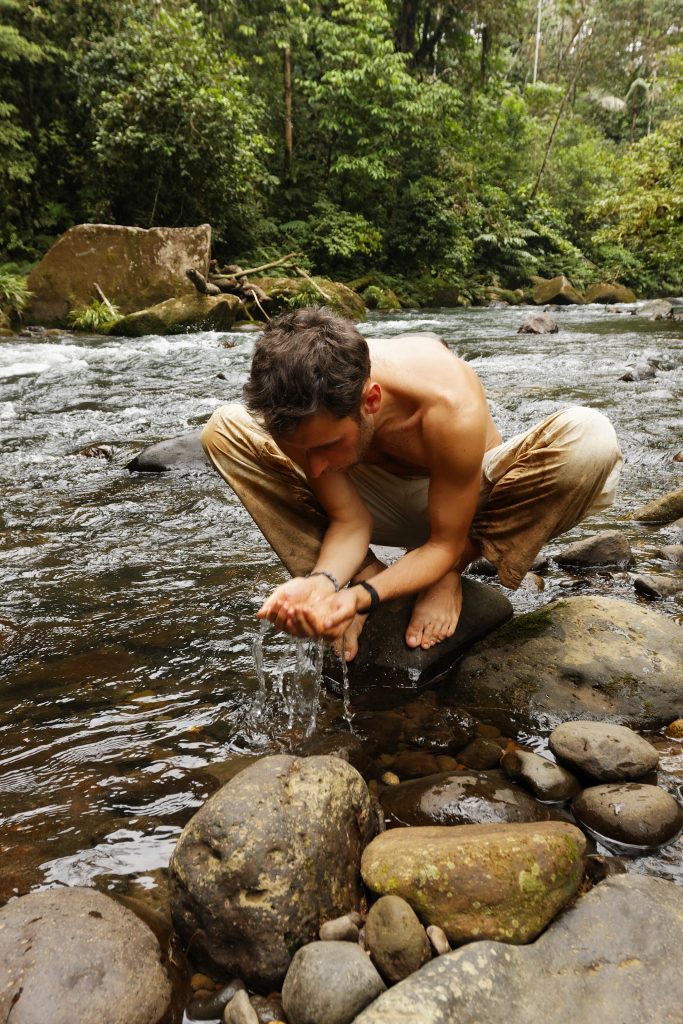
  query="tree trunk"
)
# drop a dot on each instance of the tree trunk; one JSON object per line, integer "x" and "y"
{"x": 287, "y": 68}
{"x": 407, "y": 23}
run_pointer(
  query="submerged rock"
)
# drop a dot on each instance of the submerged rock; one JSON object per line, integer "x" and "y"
{"x": 656, "y": 309}
{"x": 268, "y": 859}
{"x": 459, "y": 798}
{"x": 588, "y": 657}
{"x": 608, "y": 958}
{"x": 607, "y": 548}
{"x": 135, "y": 267}
{"x": 74, "y": 954}
{"x": 629, "y": 813}
{"x": 183, "y": 452}
{"x": 607, "y": 753}
{"x": 181, "y": 315}
{"x": 330, "y": 982}
{"x": 480, "y": 881}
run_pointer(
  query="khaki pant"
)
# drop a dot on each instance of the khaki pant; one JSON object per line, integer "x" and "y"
{"x": 534, "y": 487}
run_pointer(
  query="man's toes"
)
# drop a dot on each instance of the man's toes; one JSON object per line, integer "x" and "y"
{"x": 414, "y": 634}
{"x": 428, "y": 637}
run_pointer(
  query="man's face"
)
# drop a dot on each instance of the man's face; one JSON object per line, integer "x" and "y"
{"x": 323, "y": 443}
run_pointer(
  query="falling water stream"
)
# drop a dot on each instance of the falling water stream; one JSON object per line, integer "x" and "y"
{"x": 135, "y": 677}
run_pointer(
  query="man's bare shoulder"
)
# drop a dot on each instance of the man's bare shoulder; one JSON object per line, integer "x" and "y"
{"x": 422, "y": 366}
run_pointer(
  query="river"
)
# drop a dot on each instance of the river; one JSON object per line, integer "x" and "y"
{"x": 127, "y": 601}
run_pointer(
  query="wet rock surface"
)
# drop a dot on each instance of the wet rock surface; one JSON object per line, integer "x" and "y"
{"x": 659, "y": 587}
{"x": 602, "y": 953}
{"x": 397, "y": 942}
{"x": 630, "y": 813}
{"x": 479, "y": 881}
{"x": 182, "y": 315}
{"x": 481, "y": 754}
{"x": 385, "y": 670}
{"x": 546, "y": 780}
{"x": 459, "y": 798}
{"x": 559, "y": 290}
{"x": 183, "y": 452}
{"x": 664, "y": 509}
{"x": 589, "y": 657}
{"x": 268, "y": 859}
{"x": 331, "y": 982}
{"x": 604, "y": 752}
{"x": 607, "y": 548}
{"x": 76, "y": 955}
{"x": 608, "y": 292}
{"x": 539, "y": 323}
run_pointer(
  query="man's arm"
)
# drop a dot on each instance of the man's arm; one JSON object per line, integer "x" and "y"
{"x": 343, "y": 549}
{"x": 456, "y": 456}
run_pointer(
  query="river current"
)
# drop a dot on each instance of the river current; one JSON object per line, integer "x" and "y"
{"x": 127, "y": 678}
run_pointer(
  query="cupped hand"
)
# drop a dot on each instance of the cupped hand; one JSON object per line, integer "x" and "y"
{"x": 288, "y": 604}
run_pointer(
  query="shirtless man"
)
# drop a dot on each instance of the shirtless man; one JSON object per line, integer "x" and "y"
{"x": 392, "y": 441}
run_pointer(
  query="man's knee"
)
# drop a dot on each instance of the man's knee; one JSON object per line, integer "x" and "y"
{"x": 591, "y": 441}
{"x": 229, "y": 426}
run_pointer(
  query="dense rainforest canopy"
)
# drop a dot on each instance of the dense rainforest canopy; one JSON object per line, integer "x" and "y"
{"x": 476, "y": 142}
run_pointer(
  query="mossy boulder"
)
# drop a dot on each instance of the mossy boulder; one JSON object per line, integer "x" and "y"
{"x": 559, "y": 290}
{"x": 582, "y": 657}
{"x": 665, "y": 509}
{"x": 290, "y": 292}
{"x": 134, "y": 267}
{"x": 183, "y": 315}
{"x": 606, "y": 293}
{"x": 382, "y": 299}
{"x": 503, "y": 882}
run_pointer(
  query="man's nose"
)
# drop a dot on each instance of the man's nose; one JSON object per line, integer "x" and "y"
{"x": 317, "y": 464}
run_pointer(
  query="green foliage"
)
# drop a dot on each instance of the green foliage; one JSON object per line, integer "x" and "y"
{"x": 14, "y": 294}
{"x": 95, "y": 318}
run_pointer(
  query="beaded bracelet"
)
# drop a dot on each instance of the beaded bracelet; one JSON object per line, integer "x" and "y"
{"x": 323, "y": 572}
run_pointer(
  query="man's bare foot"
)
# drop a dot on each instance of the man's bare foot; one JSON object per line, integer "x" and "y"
{"x": 435, "y": 613}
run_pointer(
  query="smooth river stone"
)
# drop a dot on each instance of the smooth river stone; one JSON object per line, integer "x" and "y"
{"x": 459, "y": 798}
{"x": 182, "y": 452}
{"x": 503, "y": 882}
{"x": 612, "y": 958}
{"x": 664, "y": 509}
{"x": 546, "y": 780}
{"x": 607, "y": 548}
{"x": 630, "y": 813}
{"x": 73, "y": 954}
{"x": 397, "y": 941}
{"x": 329, "y": 982}
{"x": 607, "y": 753}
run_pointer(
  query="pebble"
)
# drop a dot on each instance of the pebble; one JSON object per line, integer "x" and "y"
{"x": 546, "y": 780}
{"x": 240, "y": 1011}
{"x": 413, "y": 764}
{"x": 607, "y": 753}
{"x": 438, "y": 939}
{"x": 675, "y": 729}
{"x": 481, "y": 754}
{"x": 630, "y": 813}
{"x": 211, "y": 1007}
{"x": 199, "y": 981}
{"x": 329, "y": 982}
{"x": 268, "y": 1010}
{"x": 671, "y": 553}
{"x": 341, "y": 929}
{"x": 397, "y": 941}
{"x": 390, "y": 779}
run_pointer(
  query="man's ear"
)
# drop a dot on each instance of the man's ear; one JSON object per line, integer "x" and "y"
{"x": 372, "y": 398}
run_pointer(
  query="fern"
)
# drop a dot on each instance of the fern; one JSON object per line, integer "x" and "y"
{"x": 96, "y": 318}
{"x": 14, "y": 294}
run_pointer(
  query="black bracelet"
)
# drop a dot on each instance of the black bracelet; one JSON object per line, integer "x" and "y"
{"x": 323, "y": 572}
{"x": 374, "y": 596}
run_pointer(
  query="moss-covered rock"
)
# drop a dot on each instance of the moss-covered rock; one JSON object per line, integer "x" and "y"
{"x": 661, "y": 510}
{"x": 382, "y": 299}
{"x": 558, "y": 289}
{"x": 503, "y": 882}
{"x": 183, "y": 315}
{"x": 583, "y": 657}
{"x": 295, "y": 292}
{"x": 605, "y": 293}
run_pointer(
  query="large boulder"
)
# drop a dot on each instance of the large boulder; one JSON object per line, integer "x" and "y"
{"x": 581, "y": 657}
{"x": 334, "y": 294}
{"x": 134, "y": 267}
{"x": 502, "y": 882}
{"x": 609, "y": 958}
{"x": 558, "y": 290}
{"x": 182, "y": 315}
{"x": 606, "y": 293}
{"x": 269, "y": 858}
{"x": 75, "y": 955}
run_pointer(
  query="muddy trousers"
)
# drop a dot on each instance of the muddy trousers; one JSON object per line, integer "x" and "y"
{"x": 534, "y": 487}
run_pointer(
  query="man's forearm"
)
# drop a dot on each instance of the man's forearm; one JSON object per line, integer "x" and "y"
{"x": 417, "y": 569}
{"x": 343, "y": 549}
